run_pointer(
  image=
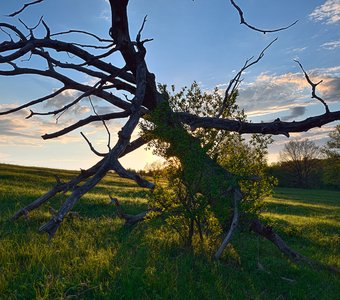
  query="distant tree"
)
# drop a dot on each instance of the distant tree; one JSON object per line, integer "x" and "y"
{"x": 331, "y": 174}
{"x": 300, "y": 157}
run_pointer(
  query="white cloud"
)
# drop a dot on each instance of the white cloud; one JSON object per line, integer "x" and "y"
{"x": 296, "y": 50}
{"x": 331, "y": 45}
{"x": 328, "y": 13}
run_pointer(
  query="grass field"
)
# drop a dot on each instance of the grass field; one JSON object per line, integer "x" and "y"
{"x": 97, "y": 257}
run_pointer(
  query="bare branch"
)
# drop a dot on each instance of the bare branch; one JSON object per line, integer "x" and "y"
{"x": 275, "y": 127}
{"x": 57, "y": 189}
{"x": 64, "y": 108}
{"x": 26, "y": 46}
{"x": 122, "y": 172}
{"x": 92, "y": 148}
{"x": 87, "y": 90}
{"x": 82, "y": 32}
{"x": 52, "y": 226}
{"x": 269, "y": 234}
{"x": 243, "y": 21}
{"x": 137, "y": 143}
{"x": 14, "y": 29}
{"x": 24, "y": 7}
{"x": 141, "y": 29}
{"x": 40, "y": 100}
{"x": 104, "y": 124}
{"x": 86, "y": 121}
{"x": 234, "y": 83}
{"x": 313, "y": 85}
{"x": 48, "y": 31}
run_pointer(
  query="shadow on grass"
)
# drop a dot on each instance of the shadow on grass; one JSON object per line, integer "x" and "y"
{"x": 300, "y": 208}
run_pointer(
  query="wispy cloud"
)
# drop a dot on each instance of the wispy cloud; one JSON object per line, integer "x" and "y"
{"x": 331, "y": 45}
{"x": 16, "y": 130}
{"x": 328, "y": 13}
{"x": 296, "y": 50}
{"x": 271, "y": 93}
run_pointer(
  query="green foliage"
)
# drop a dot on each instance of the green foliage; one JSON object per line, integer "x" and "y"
{"x": 186, "y": 212}
{"x": 249, "y": 158}
{"x": 190, "y": 150}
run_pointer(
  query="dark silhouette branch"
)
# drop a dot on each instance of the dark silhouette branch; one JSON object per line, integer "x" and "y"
{"x": 276, "y": 127}
{"x": 313, "y": 85}
{"x": 24, "y": 7}
{"x": 88, "y": 120}
{"x": 40, "y": 100}
{"x": 264, "y": 31}
{"x": 234, "y": 83}
{"x": 82, "y": 32}
{"x": 71, "y": 84}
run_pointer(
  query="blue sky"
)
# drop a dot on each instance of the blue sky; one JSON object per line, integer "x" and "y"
{"x": 197, "y": 40}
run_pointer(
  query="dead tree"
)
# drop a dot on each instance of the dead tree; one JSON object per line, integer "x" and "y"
{"x": 135, "y": 79}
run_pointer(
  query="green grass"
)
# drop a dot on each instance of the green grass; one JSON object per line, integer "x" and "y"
{"x": 97, "y": 257}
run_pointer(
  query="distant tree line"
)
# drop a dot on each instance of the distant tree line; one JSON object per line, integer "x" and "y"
{"x": 303, "y": 164}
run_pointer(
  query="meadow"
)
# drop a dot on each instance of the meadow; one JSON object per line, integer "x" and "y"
{"x": 97, "y": 257}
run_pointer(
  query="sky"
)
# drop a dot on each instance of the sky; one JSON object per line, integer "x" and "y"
{"x": 198, "y": 41}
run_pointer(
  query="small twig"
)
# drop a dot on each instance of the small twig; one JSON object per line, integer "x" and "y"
{"x": 5, "y": 32}
{"x": 104, "y": 124}
{"x": 141, "y": 29}
{"x": 236, "y": 81}
{"x": 91, "y": 146}
{"x": 31, "y": 29}
{"x": 82, "y": 32}
{"x": 40, "y": 100}
{"x": 24, "y": 7}
{"x": 48, "y": 31}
